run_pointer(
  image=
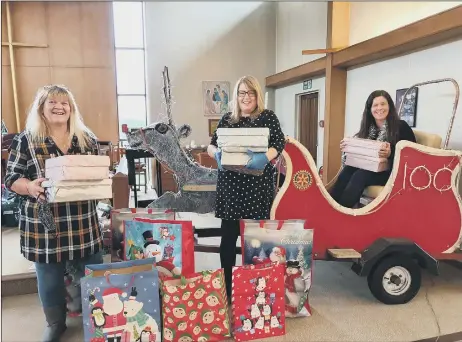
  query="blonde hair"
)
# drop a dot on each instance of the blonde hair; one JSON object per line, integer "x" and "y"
{"x": 252, "y": 84}
{"x": 36, "y": 124}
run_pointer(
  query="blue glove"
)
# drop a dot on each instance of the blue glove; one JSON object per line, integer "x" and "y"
{"x": 218, "y": 159}
{"x": 257, "y": 161}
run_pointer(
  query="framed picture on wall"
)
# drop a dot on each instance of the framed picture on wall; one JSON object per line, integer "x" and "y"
{"x": 409, "y": 110}
{"x": 213, "y": 123}
{"x": 216, "y": 97}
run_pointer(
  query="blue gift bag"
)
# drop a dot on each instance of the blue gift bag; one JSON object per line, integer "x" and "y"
{"x": 121, "y": 302}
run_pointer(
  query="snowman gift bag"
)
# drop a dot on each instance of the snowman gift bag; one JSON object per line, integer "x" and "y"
{"x": 258, "y": 301}
{"x": 169, "y": 242}
{"x": 195, "y": 308}
{"x": 287, "y": 242}
{"x": 121, "y": 302}
{"x": 118, "y": 216}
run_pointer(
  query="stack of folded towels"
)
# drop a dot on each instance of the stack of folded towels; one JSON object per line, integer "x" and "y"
{"x": 235, "y": 144}
{"x": 364, "y": 154}
{"x": 77, "y": 178}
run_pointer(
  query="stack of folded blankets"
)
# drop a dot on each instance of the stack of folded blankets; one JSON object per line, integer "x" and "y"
{"x": 235, "y": 144}
{"x": 77, "y": 178}
{"x": 364, "y": 154}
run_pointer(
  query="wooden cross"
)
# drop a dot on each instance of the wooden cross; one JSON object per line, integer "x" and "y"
{"x": 319, "y": 51}
{"x": 10, "y": 45}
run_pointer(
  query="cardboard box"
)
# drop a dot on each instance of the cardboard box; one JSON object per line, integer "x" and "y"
{"x": 77, "y": 167}
{"x": 77, "y": 173}
{"x": 373, "y": 164}
{"x": 364, "y": 143}
{"x": 238, "y": 162}
{"x": 243, "y": 137}
{"x": 235, "y": 142}
{"x": 244, "y": 149}
{"x": 73, "y": 191}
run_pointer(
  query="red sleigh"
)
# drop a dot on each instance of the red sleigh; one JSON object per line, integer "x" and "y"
{"x": 415, "y": 221}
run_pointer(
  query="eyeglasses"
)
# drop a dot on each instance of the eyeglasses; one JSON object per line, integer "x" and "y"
{"x": 251, "y": 93}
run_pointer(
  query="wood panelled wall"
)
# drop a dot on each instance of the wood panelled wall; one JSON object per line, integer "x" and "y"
{"x": 79, "y": 54}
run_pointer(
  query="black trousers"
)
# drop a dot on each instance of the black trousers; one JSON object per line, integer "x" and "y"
{"x": 230, "y": 231}
{"x": 351, "y": 183}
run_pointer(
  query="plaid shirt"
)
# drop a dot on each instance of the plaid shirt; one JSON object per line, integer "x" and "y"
{"x": 77, "y": 230}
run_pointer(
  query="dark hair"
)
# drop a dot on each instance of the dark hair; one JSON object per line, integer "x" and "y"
{"x": 368, "y": 120}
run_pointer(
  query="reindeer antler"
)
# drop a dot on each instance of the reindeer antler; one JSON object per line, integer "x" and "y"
{"x": 167, "y": 95}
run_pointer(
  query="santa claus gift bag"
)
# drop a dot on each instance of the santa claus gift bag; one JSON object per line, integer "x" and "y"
{"x": 121, "y": 302}
{"x": 195, "y": 307}
{"x": 170, "y": 242}
{"x": 258, "y": 301}
{"x": 118, "y": 216}
{"x": 288, "y": 242}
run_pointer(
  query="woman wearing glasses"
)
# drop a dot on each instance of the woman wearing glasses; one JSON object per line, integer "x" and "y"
{"x": 243, "y": 196}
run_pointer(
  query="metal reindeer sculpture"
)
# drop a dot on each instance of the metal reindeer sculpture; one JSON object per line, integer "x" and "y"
{"x": 196, "y": 183}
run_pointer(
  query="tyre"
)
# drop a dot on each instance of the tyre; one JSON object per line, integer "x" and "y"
{"x": 395, "y": 279}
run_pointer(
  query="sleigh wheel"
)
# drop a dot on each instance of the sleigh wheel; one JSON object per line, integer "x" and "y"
{"x": 395, "y": 279}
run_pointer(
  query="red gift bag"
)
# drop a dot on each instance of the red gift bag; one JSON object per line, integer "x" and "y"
{"x": 195, "y": 307}
{"x": 258, "y": 301}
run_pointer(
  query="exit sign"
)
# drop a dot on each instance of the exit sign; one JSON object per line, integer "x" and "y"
{"x": 307, "y": 84}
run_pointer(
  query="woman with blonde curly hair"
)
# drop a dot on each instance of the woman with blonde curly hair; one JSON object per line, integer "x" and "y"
{"x": 59, "y": 235}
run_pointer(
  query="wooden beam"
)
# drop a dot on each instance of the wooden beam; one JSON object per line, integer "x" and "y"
{"x": 297, "y": 74}
{"x": 320, "y": 51}
{"x": 334, "y": 118}
{"x": 25, "y": 45}
{"x": 338, "y": 26}
{"x": 12, "y": 65}
{"x": 433, "y": 30}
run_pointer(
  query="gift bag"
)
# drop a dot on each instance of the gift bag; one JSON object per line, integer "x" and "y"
{"x": 258, "y": 301}
{"x": 170, "y": 242}
{"x": 195, "y": 307}
{"x": 117, "y": 227}
{"x": 121, "y": 302}
{"x": 284, "y": 241}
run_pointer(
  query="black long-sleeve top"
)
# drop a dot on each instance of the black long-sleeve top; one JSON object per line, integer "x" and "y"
{"x": 405, "y": 133}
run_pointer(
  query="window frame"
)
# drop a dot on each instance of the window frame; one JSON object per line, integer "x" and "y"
{"x": 143, "y": 48}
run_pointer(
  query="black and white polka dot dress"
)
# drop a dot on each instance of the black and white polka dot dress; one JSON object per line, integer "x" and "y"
{"x": 241, "y": 196}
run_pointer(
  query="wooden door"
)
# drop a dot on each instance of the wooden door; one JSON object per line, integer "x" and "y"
{"x": 308, "y": 123}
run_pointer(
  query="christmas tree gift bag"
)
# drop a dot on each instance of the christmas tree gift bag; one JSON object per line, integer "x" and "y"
{"x": 118, "y": 216}
{"x": 170, "y": 242}
{"x": 258, "y": 301}
{"x": 121, "y": 302}
{"x": 195, "y": 307}
{"x": 284, "y": 241}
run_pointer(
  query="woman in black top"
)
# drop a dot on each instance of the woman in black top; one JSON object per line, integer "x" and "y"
{"x": 242, "y": 196}
{"x": 380, "y": 122}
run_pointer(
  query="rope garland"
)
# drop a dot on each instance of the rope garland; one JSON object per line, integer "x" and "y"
{"x": 432, "y": 177}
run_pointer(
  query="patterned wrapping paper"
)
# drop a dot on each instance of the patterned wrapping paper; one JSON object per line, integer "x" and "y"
{"x": 195, "y": 308}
